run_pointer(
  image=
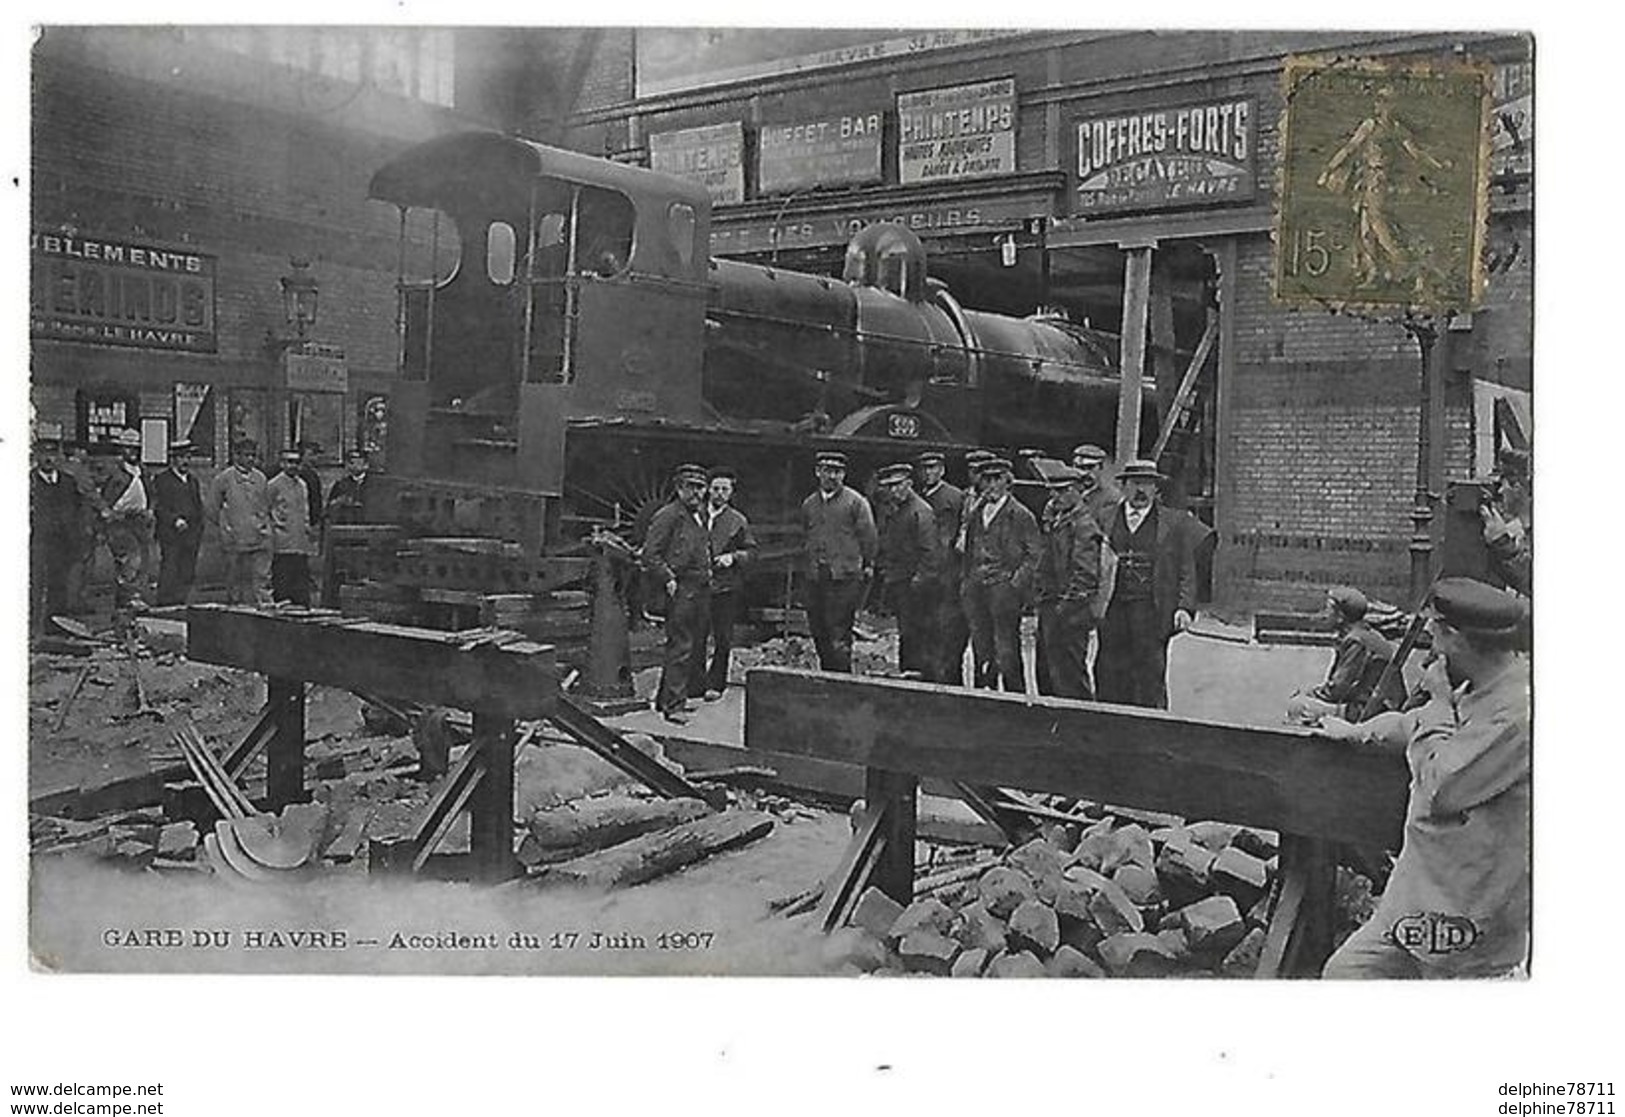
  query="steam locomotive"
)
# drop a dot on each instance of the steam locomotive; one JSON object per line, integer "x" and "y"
{"x": 584, "y": 343}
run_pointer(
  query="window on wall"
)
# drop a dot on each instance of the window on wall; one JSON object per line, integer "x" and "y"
{"x": 416, "y": 62}
{"x": 248, "y": 417}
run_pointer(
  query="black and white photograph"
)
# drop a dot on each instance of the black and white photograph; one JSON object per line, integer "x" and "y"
{"x": 732, "y": 502}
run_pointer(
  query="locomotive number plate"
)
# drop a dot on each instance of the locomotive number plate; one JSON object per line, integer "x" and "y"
{"x": 903, "y": 426}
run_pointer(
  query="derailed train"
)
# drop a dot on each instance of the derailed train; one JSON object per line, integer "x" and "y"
{"x": 584, "y": 343}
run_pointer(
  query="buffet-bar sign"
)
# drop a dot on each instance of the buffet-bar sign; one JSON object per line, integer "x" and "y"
{"x": 1193, "y": 155}
{"x": 713, "y": 156}
{"x": 964, "y": 131}
{"x": 837, "y": 150}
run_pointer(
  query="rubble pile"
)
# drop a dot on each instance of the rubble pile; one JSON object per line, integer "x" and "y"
{"x": 1114, "y": 900}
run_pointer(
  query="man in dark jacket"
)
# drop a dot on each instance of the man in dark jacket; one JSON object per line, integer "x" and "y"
{"x": 308, "y": 453}
{"x": 347, "y": 499}
{"x": 1001, "y": 562}
{"x": 840, "y": 539}
{"x": 1155, "y": 592}
{"x": 1069, "y": 585}
{"x": 911, "y": 569}
{"x": 731, "y": 547}
{"x": 55, "y": 534}
{"x": 1357, "y": 665}
{"x": 677, "y": 554}
{"x": 949, "y": 628}
{"x": 177, "y": 508}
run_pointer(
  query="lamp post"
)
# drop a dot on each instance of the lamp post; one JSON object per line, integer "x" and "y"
{"x": 300, "y": 292}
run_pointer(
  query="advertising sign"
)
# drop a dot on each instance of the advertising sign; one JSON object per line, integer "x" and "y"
{"x": 1193, "y": 155}
{"x": 831, "y": 152}
{"x": 317, "y": 368}
{"x": 713, "y": 156}
{"x": 965, "y": 131}
{"x": 117, "y": 292}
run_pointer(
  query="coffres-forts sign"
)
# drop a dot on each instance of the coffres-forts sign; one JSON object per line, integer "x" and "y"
{"x": 117, "y": 292}
{"x": 1168, "y": 158}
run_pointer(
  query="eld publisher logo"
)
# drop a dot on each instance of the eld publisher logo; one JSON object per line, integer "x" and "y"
{"x": 1435, "y": 933}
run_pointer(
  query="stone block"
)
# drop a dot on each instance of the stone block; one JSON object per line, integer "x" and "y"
{"x": 1020, "y": 964}
{"x": 1212, "y": 926}
{"x": 1130, "y": 845}
{"x": 978, "y": 927}
{"x": 1068, "y": 962}
{"x": 970, "y": 963}
{"x": 1139, "y": 884}
{"x": 1183, "y": 873}
{"x": 1113, "y": 912}
{"x": 1132, "y": 954}
{"x": 929, "y": 913}
{"x": 1004, "y": 890}
{"x": 926, "y": 950}
{"x": 1242, "y": 961}
{"x": 876, "y": 913}
{"x": 1262, "y": 844}
{"x": 853, "y": 946}
{"x": 1241, "y": 876}
{"x": 1037, "y": 858}
{"x": 1034, "y": 926}
{"x": 1213, "y": 835}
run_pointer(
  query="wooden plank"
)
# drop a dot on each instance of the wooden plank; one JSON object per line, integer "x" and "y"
{"x": 514, "y": 680}
{"x": 655, "y": 855}
{"x": 285, "y": 755}
{"x": 894, "y": 864}
{"x": 1283, "y": 779}
{"x": 490, "y": 806}
{"x": 1136, "y": 309}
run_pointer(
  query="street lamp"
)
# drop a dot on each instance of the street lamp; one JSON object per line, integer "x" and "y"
{"x": 299, "y": 294}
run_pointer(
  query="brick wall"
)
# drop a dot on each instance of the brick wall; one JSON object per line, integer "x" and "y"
{"x": 145, "y": 135}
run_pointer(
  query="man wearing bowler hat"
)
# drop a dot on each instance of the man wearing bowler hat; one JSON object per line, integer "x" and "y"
{"x": 1154, "y": 595}
{"x": 177, "y": 509}
{"x": 911, "y": 568}
{"x": 677, "y": 553}
{"x": 1001, "y": 562}
{"x": 841, "y": 541}
{"x": 1069, "y": 586}
{"x": 1457, "y": 901}
{"x": 949, "y": 628}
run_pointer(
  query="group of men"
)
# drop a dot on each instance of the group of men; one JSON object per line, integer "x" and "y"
{"x": 268, "y": 529}
{"x": 958, "y": 568}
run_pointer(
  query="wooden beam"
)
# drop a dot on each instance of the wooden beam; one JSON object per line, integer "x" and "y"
{"x": 894, "y": 862}
{"x": 285, "y": 756}
{"x": 1136, "y": 308}
{"x": 515, "y": 680}
{"x": 490, "y": 804}
{"x": 1282, "y": 779}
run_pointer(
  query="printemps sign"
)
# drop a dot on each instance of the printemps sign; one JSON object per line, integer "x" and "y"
{"x": 966, "y": 131}
{"x": 1193, "y": 155}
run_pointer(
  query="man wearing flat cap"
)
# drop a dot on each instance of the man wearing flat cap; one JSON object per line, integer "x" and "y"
{"x": 732, "y": 546}
{"x": 1154, "y": 595}
{"x": 177, "y": 509}
{"x": 1089, "y": 460}
{"x": 841, "y": 542}
{"x": 1457, "y": 901}
{"x": 677, "y": 555}
{"x": 1001, "y": 562}
{"x": 1070, "y": 570}
{"x": 238, "y": 500}
{"x": 910, "y": 568}
{"x": 1357, "y": 666}
{"x": 949, "y": 629}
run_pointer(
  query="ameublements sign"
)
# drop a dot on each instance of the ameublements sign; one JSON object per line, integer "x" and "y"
{"x": 713, "y": 156}
{"x": 1170, "y": 158}
{"x": 116, "y": 292}
{"x": 835, "y": 151}
{"x": 965, "y": 131}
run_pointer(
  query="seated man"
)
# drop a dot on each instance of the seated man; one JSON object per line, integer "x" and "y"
{"x": 1357, "y": 665}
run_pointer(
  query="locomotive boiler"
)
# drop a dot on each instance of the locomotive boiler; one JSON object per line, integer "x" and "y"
{"x": 584, "y": 343}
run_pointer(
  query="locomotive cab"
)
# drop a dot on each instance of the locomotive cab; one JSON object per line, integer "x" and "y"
{"x": 578, "y": 290}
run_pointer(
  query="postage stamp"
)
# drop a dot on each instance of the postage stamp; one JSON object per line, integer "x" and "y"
{"x": 1383, "y": 184}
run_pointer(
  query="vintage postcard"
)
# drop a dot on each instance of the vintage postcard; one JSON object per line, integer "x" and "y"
{"x": 728, "y": 501}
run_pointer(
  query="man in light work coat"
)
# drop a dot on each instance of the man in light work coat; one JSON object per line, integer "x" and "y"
{"x": 1457, "y": 902}
{"x": 1069, "y": 587}
{"x": 841, "y": 541}
{"x": 1001, "y": 562}
{"x": 732, "y": 545}
{"x": 1155, "y": 591}
{"x": 239, "y": 502}
{"x": 677, "y": 553}
{"x": 293, "y": 536}
{"x": 911, "y": 569}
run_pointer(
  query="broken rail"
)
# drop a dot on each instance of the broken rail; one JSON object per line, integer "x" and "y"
{"x": 1317, "y": 793}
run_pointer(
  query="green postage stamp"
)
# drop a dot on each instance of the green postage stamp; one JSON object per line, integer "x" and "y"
{"x": 1384, "y": 174}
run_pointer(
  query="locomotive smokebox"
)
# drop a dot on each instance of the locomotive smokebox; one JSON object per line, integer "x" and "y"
{"x": 890, "y": 257}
